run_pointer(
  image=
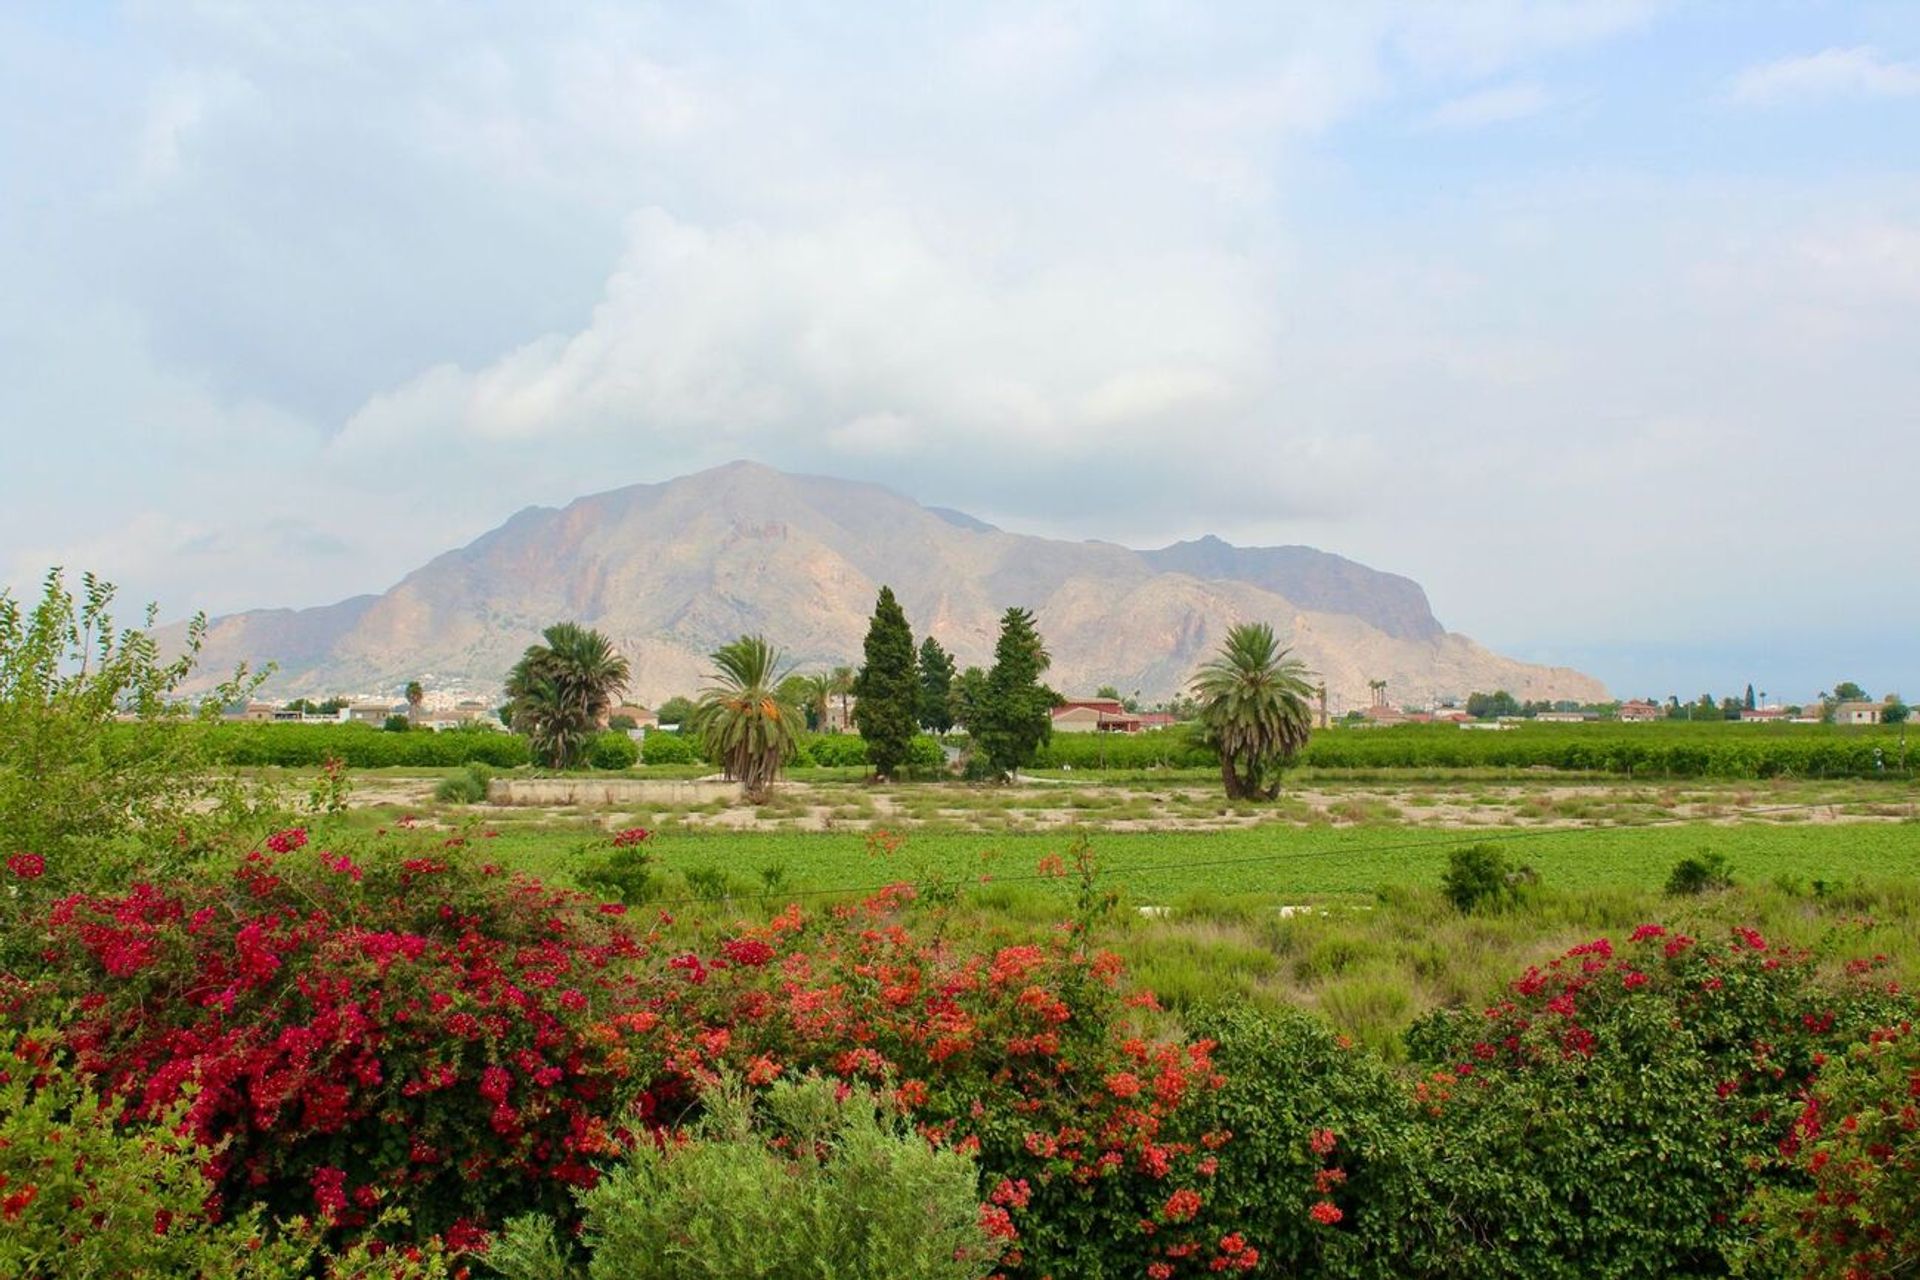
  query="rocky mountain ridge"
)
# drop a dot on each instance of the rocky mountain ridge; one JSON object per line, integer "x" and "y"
{"x": 671, "y": 570}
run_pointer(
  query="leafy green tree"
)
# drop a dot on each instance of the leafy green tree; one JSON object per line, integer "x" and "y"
{"x": 1848, "y": 691}
{"x": 1894, "y": 711}
{"x": 561, "y": 692}
{"x": 396, "y": 724}
{"x": 1015, "y": 711}
{"x": 1487, "y": 706}
{"x": 743, "y": 718}
{"x": 888, "y": 713}
{"x": 1108, "y": 692}
{"x": 1253, "y": 710}
{"x": 936, "y": 686}
{"x": 969, "y": 696}
{"x": 675, "y": 710}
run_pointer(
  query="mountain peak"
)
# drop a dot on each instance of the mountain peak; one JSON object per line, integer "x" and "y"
{"x": 671, "y": 570}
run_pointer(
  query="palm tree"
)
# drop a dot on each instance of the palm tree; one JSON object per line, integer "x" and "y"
{"x": 561, "y": 692}
{"x": 415, "y": 696}
{"x": 814, "y": 692}
{"x": 747, "y": 718}
{"x": 843, "y": 679}
{"x": 1253, "y": 710}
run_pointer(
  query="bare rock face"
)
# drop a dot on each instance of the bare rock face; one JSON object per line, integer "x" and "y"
{"x": 670, "y": 571}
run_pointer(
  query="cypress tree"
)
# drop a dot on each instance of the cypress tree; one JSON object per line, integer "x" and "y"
{"x": 1016, "y": 712}
{"x": 888, "y": 712}
{"x": 936, "y": 686}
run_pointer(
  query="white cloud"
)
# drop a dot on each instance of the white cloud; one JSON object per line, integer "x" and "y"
{"x": 1860, "y": 71}
{"x": 1496, "y": 105}
{"x": 396, "y": 271}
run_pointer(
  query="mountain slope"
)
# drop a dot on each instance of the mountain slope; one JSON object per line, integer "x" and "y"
{"x": 671, "y": 570}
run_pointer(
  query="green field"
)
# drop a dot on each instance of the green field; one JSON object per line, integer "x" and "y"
{"x": 1161, "y": 866}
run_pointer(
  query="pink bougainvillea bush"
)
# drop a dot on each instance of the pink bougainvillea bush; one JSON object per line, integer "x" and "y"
{"x": 392, "y": 1026}
{"x": 1616, "y": 1111}
{"x": 408, "y": 1047}
{"x": 350, "y": 1032}
{"x": 1856, "y": 1140}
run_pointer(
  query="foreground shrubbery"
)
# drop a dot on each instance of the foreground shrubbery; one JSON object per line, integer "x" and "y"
{"x": 392, "y": 1046}
{"x": 813, "y": 1171}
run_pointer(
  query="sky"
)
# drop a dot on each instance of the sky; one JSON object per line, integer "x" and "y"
{"x": 1601, "y": 321}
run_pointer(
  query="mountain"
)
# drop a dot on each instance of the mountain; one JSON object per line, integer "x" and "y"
{"x": 671, "y": 570}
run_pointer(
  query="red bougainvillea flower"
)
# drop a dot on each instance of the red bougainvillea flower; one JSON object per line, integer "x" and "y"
{"x": 1647, "y": 931}
{"x": 287, "y": 841}
{"x": 1181, "y": 1205}
{"x": 630, "y": 837}
{"x": 1326, "y": 1213}
{"x": 1322, "y": 1141}
{"x": 27, "y": 866}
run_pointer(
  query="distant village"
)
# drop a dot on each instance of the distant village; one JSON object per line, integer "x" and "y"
{"x": 460, "y": 707}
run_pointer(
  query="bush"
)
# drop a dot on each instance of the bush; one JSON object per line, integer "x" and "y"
{"x": 73, "y": 779}
{"x": 613, "y": 750}
{"x": 1856, "y": 1143}
{"x": 1479, "y": 877}
{"x": 1709, "y": 870}
{"x": 1321, "y": 1169}
{"x": 625, "y": 873}
{"x": 837, "y": 750}
{"x": 1089, "y": 1135}
{"x": 925, "y": 757}
{"x": 1615, "y": 1114}
{"x": 360, "y": 746}
{"x": 82, "y": 1196}
{"x": 469, "y": 786}
{"x": 396, "y": 724}
{"x": 667, "y": 748}
{"x": 347, "y": 1026}
{"x": 810, "y": 1179}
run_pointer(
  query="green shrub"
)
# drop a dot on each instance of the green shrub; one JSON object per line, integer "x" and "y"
{"x": 1708, "y": 870}
{"x": 818, "y": 1180}
{"x": 613, "y": 750}
{"x": 396, "y": 724}
{"x": 625, "y": 873}
{"x": 1857, "y": 1142}
{"x": 837, "y": 750}
{"x": 360, "y": 746}
{"x": 469, "y": 786}
{"x": 1314, "y": 1121}
{"x": 925, "y": 758}
{"x": 82, "y": 1195}
{"x": 1615, "y": 1113}
{"x": 667, "y": 748}
{"x": 1479, "y": 877}
{"x": 73, "y": 777}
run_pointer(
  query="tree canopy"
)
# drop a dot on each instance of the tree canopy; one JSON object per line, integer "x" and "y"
{"x": 560, "y": 692}
{"x": 1253, "y": 710}
{"x": 1014, "y": 714}
{"x": 936, "y": 686}
{"x": 888, "y": 712}
{"x": 746, "y": 717}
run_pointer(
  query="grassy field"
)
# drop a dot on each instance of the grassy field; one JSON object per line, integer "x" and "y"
{"x": 1162, "y": 866}
{"x": 1328, "y": 899}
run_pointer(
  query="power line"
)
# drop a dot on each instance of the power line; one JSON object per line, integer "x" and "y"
{"x": 1298, "y": 855}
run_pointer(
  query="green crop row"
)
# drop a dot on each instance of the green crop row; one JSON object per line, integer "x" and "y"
{"x": 1660, "y": 750}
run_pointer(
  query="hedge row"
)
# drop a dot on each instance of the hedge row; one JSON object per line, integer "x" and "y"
{"x": 1680, "y": 751}
{"x": 364, "y": 747}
